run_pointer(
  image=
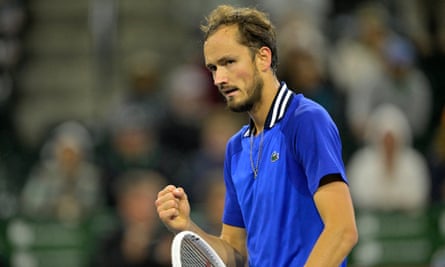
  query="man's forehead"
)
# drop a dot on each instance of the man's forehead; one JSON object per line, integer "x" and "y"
{"x": 221, "y": 43}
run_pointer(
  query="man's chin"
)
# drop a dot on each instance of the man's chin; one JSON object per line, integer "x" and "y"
{"x": 238, "y": 107}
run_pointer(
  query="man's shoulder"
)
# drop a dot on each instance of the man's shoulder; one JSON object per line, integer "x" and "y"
{"x": 302, "y": 109}
{"x": 305, "y": 115}
{"x": 303, "y": 105}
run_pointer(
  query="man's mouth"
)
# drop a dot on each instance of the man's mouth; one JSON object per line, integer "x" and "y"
{"x": 229, "y": 91}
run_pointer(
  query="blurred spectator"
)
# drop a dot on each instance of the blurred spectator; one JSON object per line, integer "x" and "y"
{"x": 65, "y": 182}
{"x": 436, "y": 160}
{"x": 355, "y": 60}
{"x": 403, "y": 84}
{"x": 143, "y": 86}
{"x": 376, "y": 64}
{"x": 216, "y": 129}
{"x": 140, "y": 240}
{"x": 388, "y": 173}
{"x": 421, "y": 21}
{"x": 187, "y": 101}
{"x": 133, "y": 142}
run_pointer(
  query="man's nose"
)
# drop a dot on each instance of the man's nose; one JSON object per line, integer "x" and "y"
{"x": 219, "y": 77}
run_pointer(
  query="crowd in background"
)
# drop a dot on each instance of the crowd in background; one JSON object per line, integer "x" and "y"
{"x": 378, "y": 67}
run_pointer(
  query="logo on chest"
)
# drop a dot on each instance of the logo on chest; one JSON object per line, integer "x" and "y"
{"x": 275, "y": 156}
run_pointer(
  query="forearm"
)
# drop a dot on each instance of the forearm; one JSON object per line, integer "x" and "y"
{"x": 230, "y": 255}
{"x": 331, "y": 248}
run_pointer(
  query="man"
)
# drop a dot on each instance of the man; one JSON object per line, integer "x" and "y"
{"x": 287, "y": 199}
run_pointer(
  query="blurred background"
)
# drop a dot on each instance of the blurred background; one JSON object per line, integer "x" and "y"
{"x": 103, "y": 102}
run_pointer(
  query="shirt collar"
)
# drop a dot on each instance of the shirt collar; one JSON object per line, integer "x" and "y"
{"x": 277, "y": 110}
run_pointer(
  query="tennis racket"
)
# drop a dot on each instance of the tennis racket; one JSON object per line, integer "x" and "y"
{"x": 189, "y": 249}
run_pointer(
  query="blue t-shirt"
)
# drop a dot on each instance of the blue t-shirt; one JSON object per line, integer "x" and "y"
{"x": 300, "y": 145}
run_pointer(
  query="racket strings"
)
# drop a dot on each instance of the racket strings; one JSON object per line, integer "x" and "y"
{"x": 193, "y": 254}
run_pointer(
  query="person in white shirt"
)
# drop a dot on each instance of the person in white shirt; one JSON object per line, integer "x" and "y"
{"x": 388, "y": 174}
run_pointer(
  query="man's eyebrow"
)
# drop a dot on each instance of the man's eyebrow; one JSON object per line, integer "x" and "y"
{"x": 220, "y": 61}
{"x": 223, "y": 59}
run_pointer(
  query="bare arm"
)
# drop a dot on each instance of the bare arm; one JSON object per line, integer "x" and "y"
{"x": 339, "y": 235}
{"x": 174, "y": 211}
{"x": 230, "y": 245}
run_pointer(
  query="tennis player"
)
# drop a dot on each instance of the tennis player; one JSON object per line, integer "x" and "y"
{"x": 287, "y": 199}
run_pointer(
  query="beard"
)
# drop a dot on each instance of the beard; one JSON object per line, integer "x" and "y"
{"x": 256, "y": 92}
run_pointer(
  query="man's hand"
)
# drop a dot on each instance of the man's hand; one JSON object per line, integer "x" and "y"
{"x": 174, "y": 208}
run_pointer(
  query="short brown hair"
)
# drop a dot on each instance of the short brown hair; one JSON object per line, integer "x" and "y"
{"x": 255, "y": 28}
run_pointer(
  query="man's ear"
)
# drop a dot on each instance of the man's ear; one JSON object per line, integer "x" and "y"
{"x": 264, "y": 58}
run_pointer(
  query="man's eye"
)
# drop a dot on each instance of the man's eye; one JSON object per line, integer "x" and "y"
{"x": 227, "y": 62}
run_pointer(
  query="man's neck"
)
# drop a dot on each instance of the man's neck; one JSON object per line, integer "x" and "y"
{"x": 261, "y": 109}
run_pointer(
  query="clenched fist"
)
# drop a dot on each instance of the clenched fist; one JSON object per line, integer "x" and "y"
{"x": 173, "y": 208}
